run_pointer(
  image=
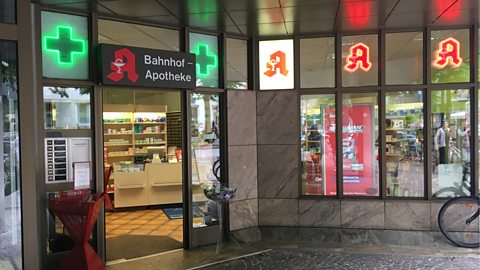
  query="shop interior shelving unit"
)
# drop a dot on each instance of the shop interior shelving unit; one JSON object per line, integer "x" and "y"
{"x": 128, "y": 130}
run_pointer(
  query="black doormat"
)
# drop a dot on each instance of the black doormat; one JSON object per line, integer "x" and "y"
{"x": 134, "y": 246}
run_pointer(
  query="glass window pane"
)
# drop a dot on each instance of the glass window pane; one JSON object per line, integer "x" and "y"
{"x": 404, "y": 144}
{"x": 450, "y": 51}
{"x": 10, "y": 201}
{"x": 7, "y": 11}
{"x": 451, "y": 142}
{"x": 66, "y": 107}
{"x": 237, "y": 63}
{"x": 318, "y": 150}
{"x": 404, "y": 55}
{"x": 359, "y": 144}
{"x": 205, "y": 110}
{"x": 360, "y": 60}
{"x": 205, "y": 48}
{"x": 65, "y": 46}
{"x": 130, "y": 34}
{"x": 317, "y": 62}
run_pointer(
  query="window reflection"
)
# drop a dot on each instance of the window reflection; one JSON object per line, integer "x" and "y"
{"x": 205, "y": 139}
{"x": 404, "y": 58}
{"x": 451, "y": 143}
{"x": 237, "y": 63}
{"x": 317, "y": 62}
{"x": 404, "y": 144}
{"x": 7, "y": 11}
{"x": 360, "y": 144}
{"x": 318, "y": 149}
{"x": 66, "y": 108}
{"x": 10, "y": 203}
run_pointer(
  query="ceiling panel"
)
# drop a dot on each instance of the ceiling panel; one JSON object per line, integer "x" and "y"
{"x": 248, "y": 4}
{"x": 136, "y": 8}
{"x": 310, "y": 13}
{"x": 179, "y": 7}
{"x": 58, "y": 2}
{"x": 406, "y": 20}
{"x": 299, "y": 3}
{"x": 164, "y": 19}
{"x": 260, "y": 16}
{"x": 360, "y": 23}
{"x": 254, "y": 17}
{"x": 358, "y": 15}
{"x": 264, "y": 29}
{"x": 462, "y": 12}
{"x": 216, "y": 21}
{"x": 304, "y": 27}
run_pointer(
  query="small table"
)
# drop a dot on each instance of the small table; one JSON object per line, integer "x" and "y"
{"x": 78, "y": 210}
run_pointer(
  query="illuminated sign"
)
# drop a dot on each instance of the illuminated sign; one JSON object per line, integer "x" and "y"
{"x": 64, "y": 45}
{"x": 206, "y": 60}
{"x": 276, "y": 64}
{"x": 359, "y": 57}
{"x": 448, "y": 53}
{"x": 133, "y": 66}
{"x": 205, "y": 49}
{"x": 277, "y": 61}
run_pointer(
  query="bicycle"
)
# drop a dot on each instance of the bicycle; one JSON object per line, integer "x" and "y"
{"x": 459, "y": 223}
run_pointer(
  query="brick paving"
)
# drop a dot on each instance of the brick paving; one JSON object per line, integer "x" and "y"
{"x": 315, "y": 259}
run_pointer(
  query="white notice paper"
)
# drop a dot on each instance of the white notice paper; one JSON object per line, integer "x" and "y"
{"x": 81, "y": 175}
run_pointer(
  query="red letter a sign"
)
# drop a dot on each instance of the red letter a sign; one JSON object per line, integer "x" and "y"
{"x": 358, "y": 57}
{"x": 448, "y": 52}
{"x": 277, "y": 60}
{"x": 118, "y": 66}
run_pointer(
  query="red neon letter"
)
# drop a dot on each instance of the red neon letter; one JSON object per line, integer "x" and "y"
{"x": 119, "y": 66}
{"x": 359, "y": 57}
{"x": 448, "y": 52}
{"x": 277, "y": 60}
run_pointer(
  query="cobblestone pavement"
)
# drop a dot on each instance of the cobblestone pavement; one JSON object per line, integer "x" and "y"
{"x": 311, "y": 259}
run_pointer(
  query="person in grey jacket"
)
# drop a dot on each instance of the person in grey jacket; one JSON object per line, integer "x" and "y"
{"x": 442, "y": 137}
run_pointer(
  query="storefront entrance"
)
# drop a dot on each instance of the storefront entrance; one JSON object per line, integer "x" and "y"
{"x": 142, "y": 150}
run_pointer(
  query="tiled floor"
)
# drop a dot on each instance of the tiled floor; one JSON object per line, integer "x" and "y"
{"x": 143, "y": 222}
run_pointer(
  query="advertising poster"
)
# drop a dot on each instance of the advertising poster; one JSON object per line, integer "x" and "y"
{"x": 358, "y": 152}
{"x": 330, "y": 164}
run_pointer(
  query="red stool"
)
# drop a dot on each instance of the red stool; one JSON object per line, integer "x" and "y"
{"x": 78, "y": 210}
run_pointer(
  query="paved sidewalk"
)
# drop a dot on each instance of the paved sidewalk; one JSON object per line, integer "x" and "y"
{"x": 316, "y": 259}
{"x": 299, "y": 255}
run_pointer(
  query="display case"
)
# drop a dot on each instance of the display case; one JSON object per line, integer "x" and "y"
{"x": 131, "y": 185}
{"x": 147, "y": 184}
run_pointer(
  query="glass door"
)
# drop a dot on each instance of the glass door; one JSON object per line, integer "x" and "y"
{"x": 205, "y": 159}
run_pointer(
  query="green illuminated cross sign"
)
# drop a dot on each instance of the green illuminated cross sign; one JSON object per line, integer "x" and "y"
{"x": 206, "y": 60}
{"x": 64, "y": 45}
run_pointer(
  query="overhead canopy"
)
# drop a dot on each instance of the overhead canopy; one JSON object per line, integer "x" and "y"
{"x": 287, "y": 17}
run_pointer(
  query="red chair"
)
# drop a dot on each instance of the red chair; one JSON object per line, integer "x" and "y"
{"x": 106, "y": 174}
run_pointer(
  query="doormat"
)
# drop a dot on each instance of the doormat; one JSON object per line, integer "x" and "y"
{"x": 177, "y": 212}
{"x": 134, "y": 246}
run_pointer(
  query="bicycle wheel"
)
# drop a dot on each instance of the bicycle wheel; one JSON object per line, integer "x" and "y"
{"x": 453, "y": 217}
